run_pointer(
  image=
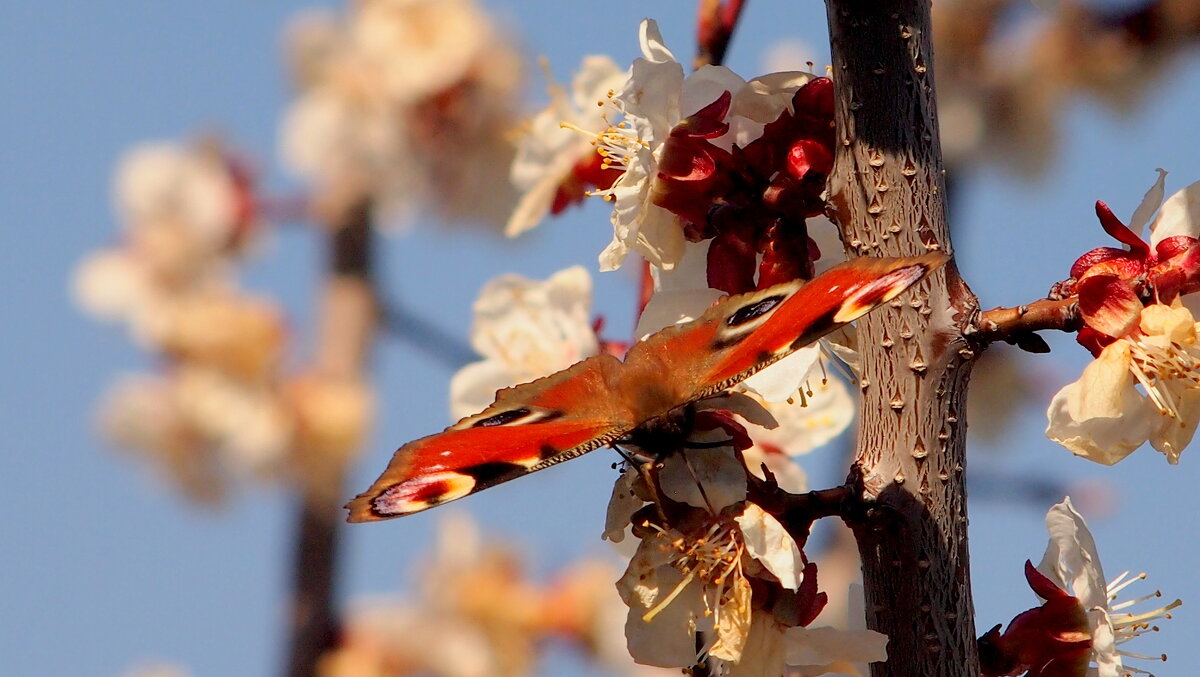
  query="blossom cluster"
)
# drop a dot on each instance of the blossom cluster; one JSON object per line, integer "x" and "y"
{"x": 408, "y": 104}
{"x": 220, "y": 407}
{"x": 706, "y": 156}
{"x": 1139, "y": 323}
{"x": 475, "y": 612}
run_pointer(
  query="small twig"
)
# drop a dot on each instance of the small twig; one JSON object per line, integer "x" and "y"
{"x": 1016, "y": 325}
{"x": 715, "y": 23}
{"x": 797, "y": 512}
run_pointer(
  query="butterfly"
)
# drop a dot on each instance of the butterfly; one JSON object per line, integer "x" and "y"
{"x": 603, "y": 399}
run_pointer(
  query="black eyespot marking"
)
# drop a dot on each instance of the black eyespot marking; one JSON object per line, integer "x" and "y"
{"x": 754, "y": 310}
{"x": 501, "y": 418}
{"x": 487, "y": 474}
{"x": 548, "y": 451}
{"x": 819, "y": 327}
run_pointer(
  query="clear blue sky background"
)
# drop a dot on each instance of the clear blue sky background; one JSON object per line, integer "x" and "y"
{"x": 101, "y": 568}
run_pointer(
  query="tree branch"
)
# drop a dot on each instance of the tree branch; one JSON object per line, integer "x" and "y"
{"x": 1014, "y": 325}
{"x": 346, "y": 327}
{"x": 887, "y": 195}
{"x": 715, "y": 23}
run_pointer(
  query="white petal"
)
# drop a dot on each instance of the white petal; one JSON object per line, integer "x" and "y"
{"x": 768, "y": 542}
{"x": 674, "y": 307}
{"x": 1102, "y": 417}
{"x": 1175, "y": 434}
{"x": 812, "y": 647}
{"x": 780, "y": 381}
{"x": 651, "y": 41}
{"x": 690, "y": 272}
{"x": 532, "y": 207}
{"x": 668, "y": 639}
{"x": 788, "y": 474}
{"x": 1180, "y": 215}
{"x": 705, "y": 86}
{"x": 811, "y": 421}
{"x": 1071, "y": 556}
{"x": 621, "y": 506}
{"x": 1104, "y": 645}
{"x": 1150, "y": 202}
{"x": 474, "y": 386}
{"x": 704, "y": 478}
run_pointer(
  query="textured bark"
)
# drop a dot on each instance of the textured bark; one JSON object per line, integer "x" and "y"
{"x": 887, "y": 194}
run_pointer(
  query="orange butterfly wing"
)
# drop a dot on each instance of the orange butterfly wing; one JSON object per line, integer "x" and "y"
{"x": 529, "y": 427}
{"x": 567, "y": 414}
{"x": 741, "y": 335}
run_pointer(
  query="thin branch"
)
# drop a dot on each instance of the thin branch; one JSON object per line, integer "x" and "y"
{"x": 426, "y": 336}
{"x": 715, "y": 23}
{"x": 1016, "y": 324}
{"x": 797, "y": 512}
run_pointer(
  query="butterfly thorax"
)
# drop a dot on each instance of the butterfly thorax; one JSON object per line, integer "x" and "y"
{"x": 663, "y": 435}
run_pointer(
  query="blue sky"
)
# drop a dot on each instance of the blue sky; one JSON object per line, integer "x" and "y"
{"x": 102, "y": 568}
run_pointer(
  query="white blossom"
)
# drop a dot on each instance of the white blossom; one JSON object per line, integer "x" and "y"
{"x": 525, "y": 329}
{"x": 1073, "y": 563}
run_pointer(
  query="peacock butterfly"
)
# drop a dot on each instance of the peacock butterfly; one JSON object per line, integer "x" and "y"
{"x": 602, "y": 399}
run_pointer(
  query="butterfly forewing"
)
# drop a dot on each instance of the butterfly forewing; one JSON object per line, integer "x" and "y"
{"x": 529, "y": 427}
{"x": 743, "y": 334}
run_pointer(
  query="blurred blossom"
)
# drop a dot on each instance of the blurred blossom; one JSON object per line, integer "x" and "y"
{"x": 408, "y": 103}
{"x": 244, "y": 422}
{"x": 141, "y": 415}
{"x": 242, "y": 336}
{"x": 788, "y": 55}
{"x": 198, "y": 428}
{"x": 193, "y": 189}
{"x": 331, "y": 418}
{"x": 474, "y": 612}
{"x": 157, "y": 670}
{"x": 556, "y": 157}
{"x": 1003, "y": 85}
{"x": 525, "y": 329}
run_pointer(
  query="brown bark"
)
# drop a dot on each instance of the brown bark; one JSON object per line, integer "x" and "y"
{"x": 346, "y": 325}
{"x": 887, "y": 194}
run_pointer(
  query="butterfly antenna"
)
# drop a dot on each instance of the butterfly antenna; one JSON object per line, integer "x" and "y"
{"x": 643, "y": 467}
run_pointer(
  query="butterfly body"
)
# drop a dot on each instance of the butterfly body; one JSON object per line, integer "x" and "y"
{"x": 602, "y": 399}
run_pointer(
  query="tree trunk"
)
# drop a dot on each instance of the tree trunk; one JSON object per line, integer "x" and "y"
{"x": 887, "y": 195}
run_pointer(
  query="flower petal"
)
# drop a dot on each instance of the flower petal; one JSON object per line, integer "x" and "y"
{"x": 1102, "y": 417}
{"x": 1180, "y": 215}
{"x": 769, "y": 542}
{"x": 1150, "y": 202}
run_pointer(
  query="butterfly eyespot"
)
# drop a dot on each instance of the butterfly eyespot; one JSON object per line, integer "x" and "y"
{"x": 754, "y": 310}
{"x": 418, "y": 494}
{"x": 501, "y": 419}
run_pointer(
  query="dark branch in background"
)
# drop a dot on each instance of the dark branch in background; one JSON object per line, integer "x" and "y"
{"x": 345, "y": 328}
{"x": 426, "y": 336}
{"x": 1017, "y": 325}
{"x": 715, "y": 22}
